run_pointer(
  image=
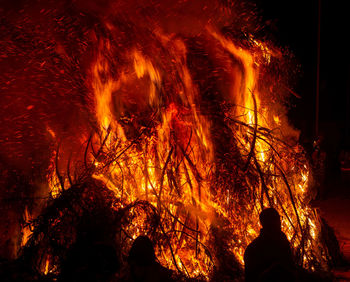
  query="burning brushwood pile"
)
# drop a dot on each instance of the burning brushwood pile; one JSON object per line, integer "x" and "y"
{"x": 177, "y": 112}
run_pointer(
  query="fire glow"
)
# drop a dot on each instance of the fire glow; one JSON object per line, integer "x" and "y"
{"x": 190, "y": 125}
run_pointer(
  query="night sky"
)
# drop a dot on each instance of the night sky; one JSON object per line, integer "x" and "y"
{"x": 293, "y": 24}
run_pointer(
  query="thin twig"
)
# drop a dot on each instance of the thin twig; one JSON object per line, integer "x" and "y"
{"x": 252, "y": 146}
{"x": 60, "y": 179}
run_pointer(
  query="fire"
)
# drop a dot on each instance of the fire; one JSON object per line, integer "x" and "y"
{"x": 170, "y": 162}
{"x": 26, "y": 232}
{"x": 207, "y": 157}
{"x": 46, "y": 268}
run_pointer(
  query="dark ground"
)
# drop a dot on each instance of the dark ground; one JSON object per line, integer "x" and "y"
{"x": 335, "y": 209}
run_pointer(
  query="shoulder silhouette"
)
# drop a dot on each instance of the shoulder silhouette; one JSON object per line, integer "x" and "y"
{"x": 143, "y": 263}
{"x": 269, "y": 256}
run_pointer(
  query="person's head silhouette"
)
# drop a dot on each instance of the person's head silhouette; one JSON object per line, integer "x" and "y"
{"x": 142, "y": 252}
{"x": 270, "y": 220}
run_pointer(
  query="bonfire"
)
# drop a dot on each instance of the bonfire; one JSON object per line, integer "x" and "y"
{"x": 186, "y": 140}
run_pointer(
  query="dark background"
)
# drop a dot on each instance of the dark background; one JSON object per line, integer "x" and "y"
{"x": 294, "y": 25}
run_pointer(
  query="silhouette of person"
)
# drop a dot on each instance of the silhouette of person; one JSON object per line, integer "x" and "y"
{"x": 269, "y": 256}
{"x": 93, "y": 256}
{"x": 90, "y": 262}
{"x": 143, "y": 263}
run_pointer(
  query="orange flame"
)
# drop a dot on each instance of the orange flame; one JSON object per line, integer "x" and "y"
{"x": 170, "y": 160}
{"x": 26, "y": 232}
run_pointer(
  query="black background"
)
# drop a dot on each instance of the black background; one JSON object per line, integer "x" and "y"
{"x": 295, "y": 24}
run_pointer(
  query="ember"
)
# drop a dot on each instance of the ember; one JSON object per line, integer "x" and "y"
{"x": 185, "y": 136}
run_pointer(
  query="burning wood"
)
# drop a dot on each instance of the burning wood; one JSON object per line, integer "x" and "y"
{"x": 189, "y": 143}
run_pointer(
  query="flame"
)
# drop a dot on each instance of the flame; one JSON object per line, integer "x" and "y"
{"x": 51, "y": 132}
{"x": 145, "y": 67}
{"x": 46, "y": 266}
{"x": 26, "y": 232}
{"x": 155, "y": 143}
